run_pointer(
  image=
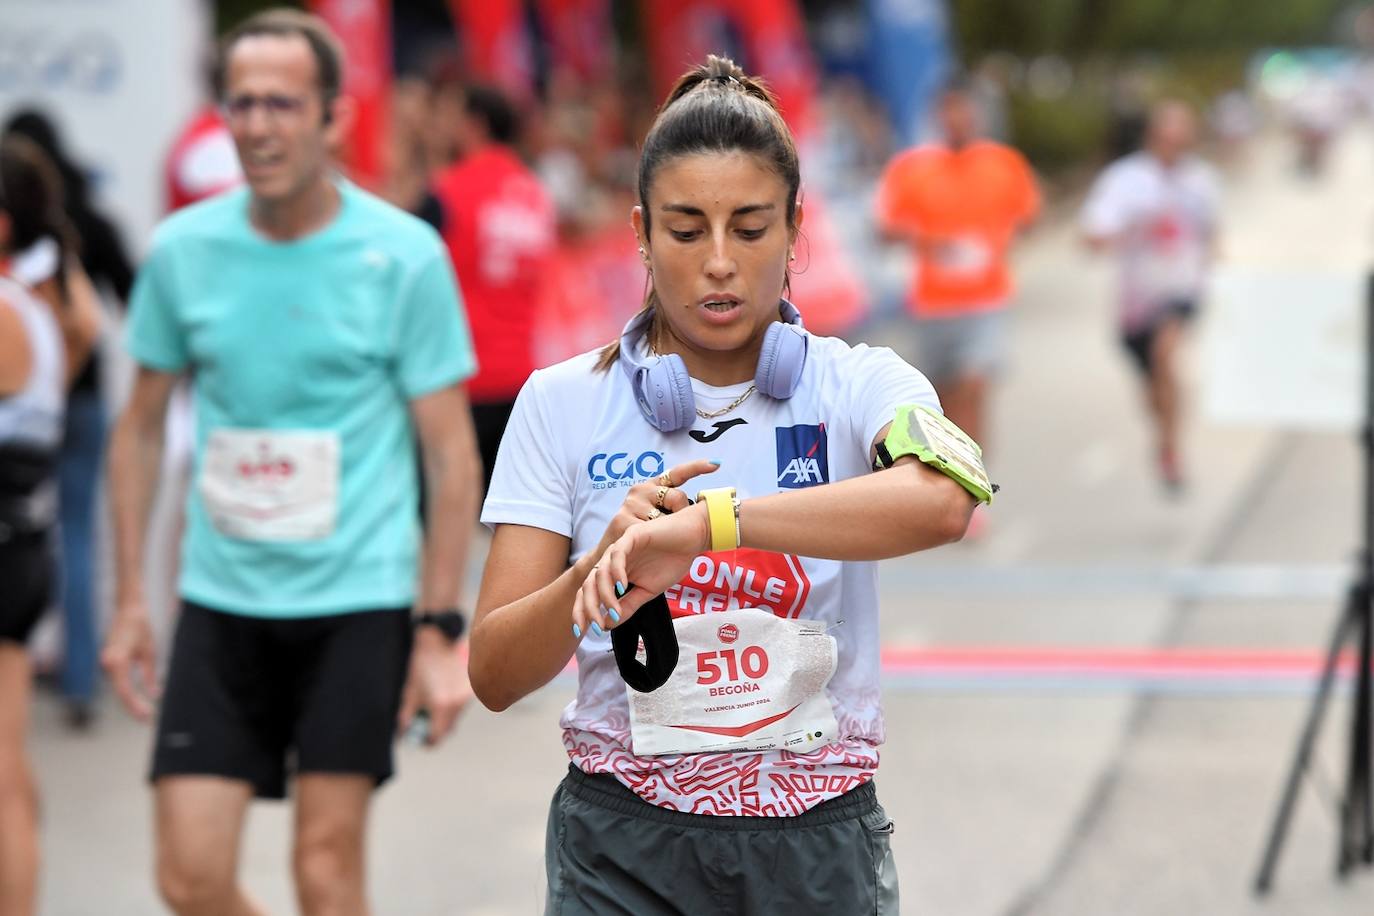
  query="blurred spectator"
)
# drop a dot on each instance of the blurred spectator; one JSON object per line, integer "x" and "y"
{"x": 1128, "y": 112}
{"x": 594, "y": 280}
{"x": 1157, "y": 211}
{"x": 959, "y": 203}
{"x": 856, "y": 137}
{"x": 412, "y": 161}
{"x": 990, "y": 86}
{"x": 303, "y": 565}
{"x": 44, "y": 340}
{"x": 499, "y": 226}
{"x": 1316, "y": 113}
{"x": 1234, "y": 120}
{"x": 106, "y": 260}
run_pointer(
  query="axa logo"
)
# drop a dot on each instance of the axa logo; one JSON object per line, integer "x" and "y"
{"x": 621, "y": 469}
{"x": 803, "y": 459}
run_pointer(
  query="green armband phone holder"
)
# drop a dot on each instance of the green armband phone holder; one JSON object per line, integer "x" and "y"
{"x": 929, "y": 436}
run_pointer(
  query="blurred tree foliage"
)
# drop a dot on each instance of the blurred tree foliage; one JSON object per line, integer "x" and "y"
{"x": 1195, "y": 49}
{"x": 1082, "y": 28}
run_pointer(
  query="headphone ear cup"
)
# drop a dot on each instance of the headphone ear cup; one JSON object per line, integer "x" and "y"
{"x": 665, "y": 391}
{"x": 781, "y": 360}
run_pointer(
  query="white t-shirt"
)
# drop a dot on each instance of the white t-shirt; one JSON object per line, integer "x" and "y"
{"x": 576, "y": 441}
{"x": 1164, "y": 220}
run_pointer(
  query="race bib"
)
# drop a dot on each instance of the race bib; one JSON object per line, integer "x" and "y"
{"x": 964, "y": 256}
{"x": 745, "y": 680}
{"x": 270, "y": 484}
{"x": 1172, "y": 261}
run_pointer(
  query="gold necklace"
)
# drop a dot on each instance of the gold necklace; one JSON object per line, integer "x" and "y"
{"x": 712, "y": 414}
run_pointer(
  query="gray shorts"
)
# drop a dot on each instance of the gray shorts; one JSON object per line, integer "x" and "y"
{"x": 962, "y": 345}
{"x": 607, "y": 851}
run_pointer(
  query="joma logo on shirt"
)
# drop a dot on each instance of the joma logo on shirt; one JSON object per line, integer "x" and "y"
{"x": 803, "y": 459}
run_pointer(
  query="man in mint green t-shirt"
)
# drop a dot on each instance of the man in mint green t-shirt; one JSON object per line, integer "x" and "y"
{"x": 324, "y": 334}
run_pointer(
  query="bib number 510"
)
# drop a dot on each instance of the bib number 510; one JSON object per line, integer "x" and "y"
{"x": 751, "y": 661}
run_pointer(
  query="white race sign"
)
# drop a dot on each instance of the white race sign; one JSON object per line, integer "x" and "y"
{"x": 119, "y": 78}
{"x": 1285, "y": 347}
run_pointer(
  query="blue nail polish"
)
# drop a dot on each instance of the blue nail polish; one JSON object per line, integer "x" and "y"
{"x": 620, "y": 590}
{"x": 614, "y": 615}
{"x": 577, "y": 631}
{"x": 715, "y": 461}
{"x": 596, "y": 629}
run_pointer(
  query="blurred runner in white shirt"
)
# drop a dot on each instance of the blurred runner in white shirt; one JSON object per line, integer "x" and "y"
{"x": 1157, "y": 211}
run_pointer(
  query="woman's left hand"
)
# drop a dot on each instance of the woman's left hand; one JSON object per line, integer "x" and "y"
{"x": 653, "y": 556}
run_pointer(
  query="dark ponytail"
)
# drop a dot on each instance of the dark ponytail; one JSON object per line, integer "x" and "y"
{"x": 714, "y": 108}
{"x": 31, "y": 195}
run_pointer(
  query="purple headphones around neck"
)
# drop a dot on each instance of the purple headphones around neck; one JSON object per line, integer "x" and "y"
{"x": 663, "y": 389}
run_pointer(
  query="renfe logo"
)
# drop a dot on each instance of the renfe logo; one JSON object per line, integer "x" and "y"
{"x": 803, "y": 459}
{"x": 620, "y": 469}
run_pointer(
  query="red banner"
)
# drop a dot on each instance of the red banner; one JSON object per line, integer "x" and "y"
{"x": 496, "y": 43}
{"x": 364, "y": 28}
{"x": 777, "y": 49}
{"x": 682, "y": 32}
{"x": 579, "y": 37}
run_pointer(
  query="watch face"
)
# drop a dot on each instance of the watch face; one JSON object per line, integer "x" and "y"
{"x": 450, "y": 623}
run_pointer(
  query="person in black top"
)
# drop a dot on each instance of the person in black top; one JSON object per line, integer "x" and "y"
{"x": 105, "y": 258}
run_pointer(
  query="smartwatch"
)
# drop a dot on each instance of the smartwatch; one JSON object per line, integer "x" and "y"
{"x": 449, "y": 622}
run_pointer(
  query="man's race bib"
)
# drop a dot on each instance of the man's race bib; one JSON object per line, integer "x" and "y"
{"x": 964, "y": 256}
{"x": 745, "y": 680}
{"x": 1172, "y": 261}
{"x": 271, "y": 484}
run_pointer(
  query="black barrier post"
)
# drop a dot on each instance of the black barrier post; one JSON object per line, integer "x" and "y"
{"x": 1356, "y": 841}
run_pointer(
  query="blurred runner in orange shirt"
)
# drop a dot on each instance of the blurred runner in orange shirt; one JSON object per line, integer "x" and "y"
{"x": 959, "y": 203}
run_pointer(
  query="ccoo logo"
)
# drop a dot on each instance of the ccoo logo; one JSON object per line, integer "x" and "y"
{"x": 620, "y": 469}
{"x": 803, "y": 459}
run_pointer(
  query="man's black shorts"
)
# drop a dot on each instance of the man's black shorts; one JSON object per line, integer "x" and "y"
{"x": 1140, "y": 342}
{"x": 255, "y": 699}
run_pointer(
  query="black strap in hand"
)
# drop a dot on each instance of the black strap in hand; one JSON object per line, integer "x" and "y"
{"x": 653, "y": 623}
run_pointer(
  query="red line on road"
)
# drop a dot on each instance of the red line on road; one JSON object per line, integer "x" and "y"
{"x": 1106, "y": 660}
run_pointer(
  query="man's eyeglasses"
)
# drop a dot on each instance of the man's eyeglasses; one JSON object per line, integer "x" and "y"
{"x": 276, "y": 107}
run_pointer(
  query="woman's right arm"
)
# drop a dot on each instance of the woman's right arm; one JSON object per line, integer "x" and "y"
{"x": 521, "y": 637}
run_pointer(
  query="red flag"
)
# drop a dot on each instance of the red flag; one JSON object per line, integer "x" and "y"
{"x": 777, "y": 48}
{"x": 364, "y": 28}
{"x": 579, "y": 36}
{"x": 682, "y": 32}
{"x": 496, "y": 43}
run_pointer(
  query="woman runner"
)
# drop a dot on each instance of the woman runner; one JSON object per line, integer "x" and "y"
{"x": 758, "y": 799}
{"x": 43, "y": 345}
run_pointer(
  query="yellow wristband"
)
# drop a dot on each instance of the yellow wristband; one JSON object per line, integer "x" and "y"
{"x": 720, "y": 509}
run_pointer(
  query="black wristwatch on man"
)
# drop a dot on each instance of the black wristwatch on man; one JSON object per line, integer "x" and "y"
{"x": 450, "y": 622}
